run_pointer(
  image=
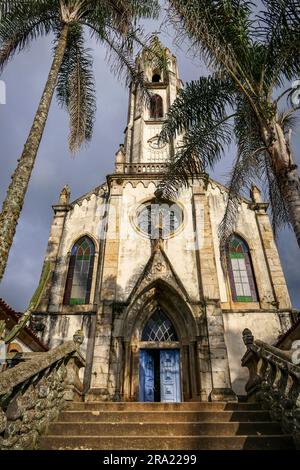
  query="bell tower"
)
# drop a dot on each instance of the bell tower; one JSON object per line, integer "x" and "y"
{"x": 146, "y": 117}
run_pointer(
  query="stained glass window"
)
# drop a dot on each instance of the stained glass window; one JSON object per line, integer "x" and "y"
{"x": 159, "y": 220}
{"x": 241, "y": 274}
{"x": 159, "y": 328}
{"x": 80, "y": 273}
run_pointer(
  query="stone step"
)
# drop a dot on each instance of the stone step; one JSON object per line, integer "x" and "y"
{"x": 184, "y": 406}
{"x": 159, "y": 416}
{"x": 62, "y": 442}
{"x": 162, "y": 428}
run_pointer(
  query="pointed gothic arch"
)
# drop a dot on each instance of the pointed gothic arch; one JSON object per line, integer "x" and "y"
{"x": 172, "y": 301}
{"x": 156, "y": 107}
{"x": 80, "y": 272}
{"x": 240, "y": 270}
{"x": 175, "y": 310}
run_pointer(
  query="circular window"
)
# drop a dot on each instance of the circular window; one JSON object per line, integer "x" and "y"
{"x": 156, "y": 144}
{"x": 159, "y": 220}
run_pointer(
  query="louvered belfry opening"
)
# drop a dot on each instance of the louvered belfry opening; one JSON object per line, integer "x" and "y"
{"x": 156, "y": 107}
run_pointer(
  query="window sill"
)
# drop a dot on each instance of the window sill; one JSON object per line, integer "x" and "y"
{"x": 240, "y": 306}
{"x": 71, "y": 309}
{"x": 155, "y": 121}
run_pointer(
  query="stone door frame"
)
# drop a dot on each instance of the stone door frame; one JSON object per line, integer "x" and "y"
{"x": 136, "y": 317}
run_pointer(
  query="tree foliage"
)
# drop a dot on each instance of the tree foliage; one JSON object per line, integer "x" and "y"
{"x": 252, "y": 55}
{"x": 112, "y": 23}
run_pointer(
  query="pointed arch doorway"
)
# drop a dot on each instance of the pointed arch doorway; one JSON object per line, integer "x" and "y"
{"x": 159, "y": 299}
{"x": 159, "y": 369}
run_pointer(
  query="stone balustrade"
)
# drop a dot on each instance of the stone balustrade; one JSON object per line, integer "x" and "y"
{"x": 33, "y": 393}
{"x": 274, "y": 381}
{"x": 132, "y": 168}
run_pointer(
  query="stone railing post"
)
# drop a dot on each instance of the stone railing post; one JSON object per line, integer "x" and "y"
{"x": 73, "y": 384}
{"x": 251, "y": 361}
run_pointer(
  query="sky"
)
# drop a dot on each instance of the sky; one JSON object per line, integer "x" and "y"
{"x": 25, "y": 78}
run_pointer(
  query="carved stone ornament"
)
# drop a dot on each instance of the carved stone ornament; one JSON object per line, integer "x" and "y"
{"x": 274, "y": 381}
{"x": 64, "y": 198}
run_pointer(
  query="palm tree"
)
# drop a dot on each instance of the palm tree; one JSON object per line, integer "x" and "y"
{"x": 254, "y": 59}
{"x": 113, "y": 24}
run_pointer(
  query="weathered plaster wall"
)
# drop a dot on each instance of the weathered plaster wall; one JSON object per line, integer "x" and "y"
{"x": 22, "y": 345}
{"x": 246, "y": 228}
{"x": 85, "y": 218}
{"x": 61, "y": 328}
{"x": 264, "y": 326}
{"x": 135, "y": 248}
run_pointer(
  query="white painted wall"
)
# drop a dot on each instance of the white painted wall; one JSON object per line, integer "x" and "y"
{"x": 264, "y": 326}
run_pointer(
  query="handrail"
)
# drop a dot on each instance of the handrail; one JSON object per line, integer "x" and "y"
{"x": 274, "y": 380}
{"x": 33, "y": 393}
{"x": 11, "y": 378}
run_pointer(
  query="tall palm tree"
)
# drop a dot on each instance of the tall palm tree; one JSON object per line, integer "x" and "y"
{"x": 254, "y": 59}
{"x": 113, "y": 24}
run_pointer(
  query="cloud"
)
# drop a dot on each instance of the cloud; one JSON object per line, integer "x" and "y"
{"x": 25, "y": 78}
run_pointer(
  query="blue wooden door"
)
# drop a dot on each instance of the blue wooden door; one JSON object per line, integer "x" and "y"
{"x": 170, "y": 375}
{"x": 146, "y": 391}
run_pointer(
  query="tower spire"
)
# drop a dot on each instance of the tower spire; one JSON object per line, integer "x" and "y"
{"x": 146, "y": 118}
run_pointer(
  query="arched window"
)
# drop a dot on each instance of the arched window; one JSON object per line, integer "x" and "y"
{"x": 156, "y": 78}
{"x": 156, "y": 107}
{"x": 80, "y": 273}
{"x": 242, "y": 280}
{"x": 159, "y": 328}
{"x": 14, "y": 348}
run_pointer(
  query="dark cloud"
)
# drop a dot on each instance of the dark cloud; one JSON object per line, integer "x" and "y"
{"x": 25, "y": 77}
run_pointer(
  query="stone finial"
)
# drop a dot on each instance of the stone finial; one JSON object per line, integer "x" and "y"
{"x": 64, "y": 197}
{"x": 78, "y": 338}
{"x": 248, "y": 337}
{"x": 255, "y": 194}
{"x": 120, "y": 155}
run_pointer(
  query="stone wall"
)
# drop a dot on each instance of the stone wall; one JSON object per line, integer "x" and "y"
{"x": 34, "y": 392}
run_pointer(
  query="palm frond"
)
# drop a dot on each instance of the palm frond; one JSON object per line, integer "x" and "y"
{"x": 247, "y": 169}
{"x": 273, "y": 185}
{"x": 206, "y": 97}
{"x": 23, "y": 22}
{"x": 120, "y": 57}
{"x": 76, "y": 89}
{"x": 122, "y": 14}
{"x": 201, "y": 147}
{"x": 219, "y": 31}
{"x": 279, "y": 29}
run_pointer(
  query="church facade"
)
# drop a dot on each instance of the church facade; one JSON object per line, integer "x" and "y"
{"x": 142, "y": 276}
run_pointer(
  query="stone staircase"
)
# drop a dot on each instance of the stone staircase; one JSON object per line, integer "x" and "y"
{"x": 164, "y": 426}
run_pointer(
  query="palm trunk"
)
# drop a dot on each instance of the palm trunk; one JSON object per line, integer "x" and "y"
{"x": 15, "y": 196}
{"x": 290, "y": 189}
{"x": 287, "y": 176}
